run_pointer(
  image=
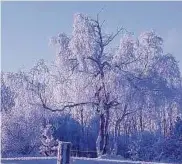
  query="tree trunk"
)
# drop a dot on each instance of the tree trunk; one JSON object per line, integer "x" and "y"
{"x": 106, "y": 135}
{"x": 141, "y": 120}
{"x": 100, "y": 138}
{"x": 115, "y": 148}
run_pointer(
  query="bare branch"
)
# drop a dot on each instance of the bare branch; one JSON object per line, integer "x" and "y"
{"x": 99, "y": 13}
{"x": 66, "y": 106}
{"x": 102, "y": 23}
{"x": 112, "y": 36}
{"x": 69, "y": 105}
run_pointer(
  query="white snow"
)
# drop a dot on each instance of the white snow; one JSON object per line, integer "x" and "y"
{"x": 75, "y": 160}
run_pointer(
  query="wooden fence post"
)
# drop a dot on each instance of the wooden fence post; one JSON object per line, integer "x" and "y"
{"x": 64, "y": 153}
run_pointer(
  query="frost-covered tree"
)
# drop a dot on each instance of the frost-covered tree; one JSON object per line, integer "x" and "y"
{"x": 7, "y": 95}
{"x": 87, "y": 47}
{"x": 19, "y": 134}
{"x": 96, "y": 75}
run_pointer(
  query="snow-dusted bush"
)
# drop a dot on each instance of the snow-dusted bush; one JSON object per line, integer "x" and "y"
{"x": 141, "y": 146}
{"x": 149, "y": 147}
{"x": 48, "y": 143}
{"x": 20, "y": 134}
{"x": 170, "y": 148}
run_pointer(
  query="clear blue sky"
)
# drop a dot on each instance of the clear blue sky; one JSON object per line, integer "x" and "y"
{"x": 27, "y": 26}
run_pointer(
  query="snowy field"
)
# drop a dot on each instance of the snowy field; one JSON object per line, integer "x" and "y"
{"x": 52, "y": 160}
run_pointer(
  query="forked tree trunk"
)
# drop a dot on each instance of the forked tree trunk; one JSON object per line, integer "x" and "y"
{"x": 103, "y": 137}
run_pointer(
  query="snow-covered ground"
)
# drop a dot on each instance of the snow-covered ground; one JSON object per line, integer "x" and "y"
{"x": 75, "y": 160}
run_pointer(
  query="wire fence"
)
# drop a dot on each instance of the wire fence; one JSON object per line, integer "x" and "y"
{"x": 88, "y": 154}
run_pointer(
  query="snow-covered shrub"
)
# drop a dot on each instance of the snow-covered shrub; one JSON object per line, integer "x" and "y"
{"x": 20, "y": 134}
{"x": 170, "y": 148}
{"x": 141, "y": 146}
{"x": 123, "y": 146}
{"x": 49, "y": 144}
